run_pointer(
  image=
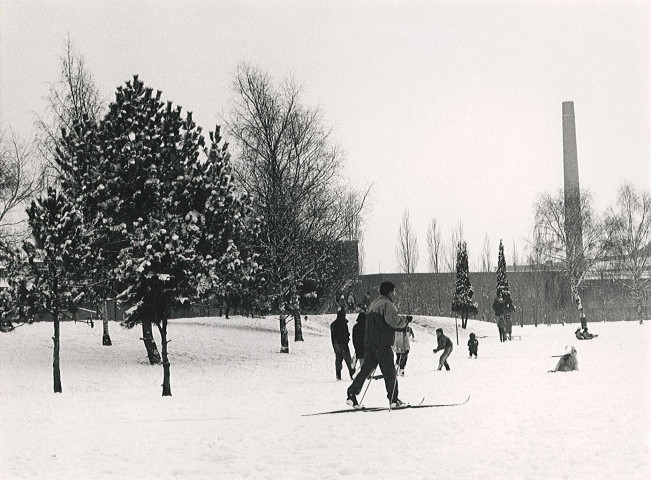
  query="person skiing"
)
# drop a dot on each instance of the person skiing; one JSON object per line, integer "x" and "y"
{"x": 445, "y": 344}
{"x": 358, "y": 339}
{"x": 382, "y": 321}
{"x": 401, "y": 347}
{"x": 473, "y": 343}
{"x": 339, "y": 335}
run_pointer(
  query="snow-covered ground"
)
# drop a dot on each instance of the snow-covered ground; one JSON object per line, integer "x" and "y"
{"x": 237, "y": 404}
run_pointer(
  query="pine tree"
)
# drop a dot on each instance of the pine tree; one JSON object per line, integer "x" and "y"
{"x": 503, "y": 303}
{"x": 463, "y": 302}
{"x": 54, "y": 283}
{"x": 169, "y": 225}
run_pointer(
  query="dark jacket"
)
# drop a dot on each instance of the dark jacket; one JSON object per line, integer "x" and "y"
{"x": 339, "y": 329}
{"x": 382, "y": 321}
{"x": 359, "y": 329}
{"x": 473, "y": 343}
{"x": 444, "y": 342}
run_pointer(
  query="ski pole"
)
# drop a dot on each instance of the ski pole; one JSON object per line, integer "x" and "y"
{"x": 368, "y": 385}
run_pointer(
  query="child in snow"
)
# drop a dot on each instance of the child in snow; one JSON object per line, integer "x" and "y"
{"x": 568, "y": 361}
{"x": 473, "y": 343}
{"x": 445, "y": 344}
{"x": 401, "y": 347}
{"x": 339, "y": 335}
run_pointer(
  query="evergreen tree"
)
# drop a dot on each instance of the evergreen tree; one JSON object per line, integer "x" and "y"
{"x": 168, "y": 224}
{"x": 52, "y": 283}
{"x": 503, "y": 303}
{"x": 463, "y": 303}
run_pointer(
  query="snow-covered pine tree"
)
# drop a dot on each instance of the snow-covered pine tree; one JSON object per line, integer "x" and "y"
{"x": 463, "y": 303}
{"x": 169, "y": 224}
{"x": 54, "y": 283}
{"x": 503, "y": 303}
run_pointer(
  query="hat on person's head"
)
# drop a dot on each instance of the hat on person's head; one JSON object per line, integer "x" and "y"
{"x": 439, "y": 330}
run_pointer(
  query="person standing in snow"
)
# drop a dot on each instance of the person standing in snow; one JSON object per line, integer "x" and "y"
{"x": 340, "y": 337}
{"x": 382, "y": 321}
{"x": 473, "y": 344}
{"x": 501, "y": 326}
{"x": 401, "y": 346}
{"x": 445, "y": 344}
{"x": 358, "y": 339}
{"x": 350, "y": 300}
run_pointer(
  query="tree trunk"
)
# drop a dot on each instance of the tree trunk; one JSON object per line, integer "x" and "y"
{"x": 56, "y": 370}
{"x": 167, "y": 389}
{"x": 106, "y": 338}
{"x": 150, "y": 343}
{"x": 298, "y": 327}
{"x": 284, "y": 340}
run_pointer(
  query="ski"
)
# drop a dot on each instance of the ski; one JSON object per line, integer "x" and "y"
{"x": 380, "y": 409}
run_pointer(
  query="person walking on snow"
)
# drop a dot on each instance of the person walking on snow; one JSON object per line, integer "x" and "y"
{"x": 358, "y": 339}
{"x": 401, "y": 347}
{"x": 473, "y": 343}
{"x": 340, "y": 336}
{"x": 445, "y": 344}
{"x": 382, "y": 321}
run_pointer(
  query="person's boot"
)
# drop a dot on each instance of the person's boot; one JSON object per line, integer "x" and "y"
{"x": 352, "y": 401}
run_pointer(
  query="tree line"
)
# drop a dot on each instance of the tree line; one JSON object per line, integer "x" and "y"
{"x": 132, "y": 202}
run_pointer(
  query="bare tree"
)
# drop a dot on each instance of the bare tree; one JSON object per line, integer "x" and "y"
{"x": 73, "y": 97}
{"x": 630, "y": 224}
{"x": 456, "y": 237}
{"x": 291, "y": 167}
{"x": 558, "y": 244}
{"x": 486, "y": 264}
{"x": 434, "y": 250}
{"x": 407, "y": 249}
{"x": 435, "y": 253}
{"x": 515, "y": 255}
{"x": 20, "y": 181}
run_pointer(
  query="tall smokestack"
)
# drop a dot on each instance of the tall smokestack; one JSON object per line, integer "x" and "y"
{"x": 571, "y": 185}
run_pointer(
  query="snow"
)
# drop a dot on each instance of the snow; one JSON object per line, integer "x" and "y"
{"x": 237, "y": 404}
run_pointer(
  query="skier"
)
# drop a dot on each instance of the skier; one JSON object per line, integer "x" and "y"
{"x": 382, "y": 320}
{"x": 401, "y": 347}
{"x": 339, "y": 335}
{"x": 445, "y": 344}
{"x": 358, "y": 339}
{"x": 473, "y": 343}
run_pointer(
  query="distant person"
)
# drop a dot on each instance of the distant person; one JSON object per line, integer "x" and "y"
{"x": 341, "y": 302}
{"x": 401, "y": 346}
{"x": 340, "y": 336}
{"x": 445, "y": 344}
{"x": 382, "y": 321}
{"x": 501, "y": 327}
{"x": 568, "y": 361}
{"x": 473, "y": 344}
{"x": 584, "y": 334}
{"x": 508, "y": 327}
{"x": 366, "y": 301}
{"x": 350, "y": 300}
{"x": 358, "y": 339}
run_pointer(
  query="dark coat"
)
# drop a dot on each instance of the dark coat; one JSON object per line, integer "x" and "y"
{"x": 444, "y": 342}
{"x": 382, "y": 321}
{"x": 339, "y": 329}
{"x": 359, "y": 329}
{"x": 473, "y": 344}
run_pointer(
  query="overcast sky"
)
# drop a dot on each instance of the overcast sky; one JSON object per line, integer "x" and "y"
{"x": 451, "y": 109}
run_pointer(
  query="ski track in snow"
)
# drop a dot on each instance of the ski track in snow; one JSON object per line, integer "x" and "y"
{"x": 237, "y": 404}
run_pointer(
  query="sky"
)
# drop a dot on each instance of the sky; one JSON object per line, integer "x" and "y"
{"x": 448, "y": 110}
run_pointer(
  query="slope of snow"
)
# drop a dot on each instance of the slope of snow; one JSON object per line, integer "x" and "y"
{"x": 237, "y": 404}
